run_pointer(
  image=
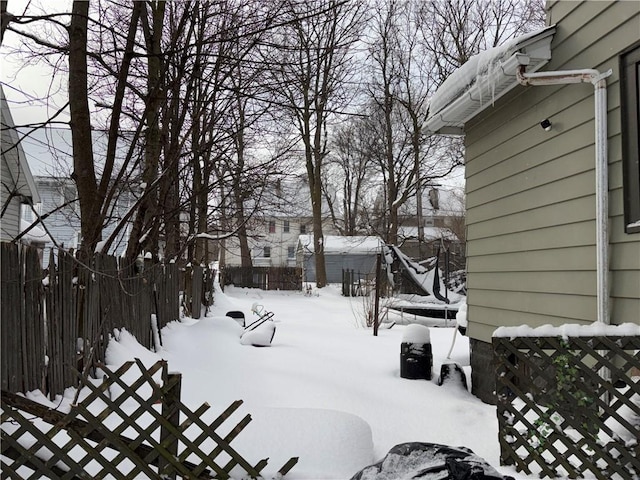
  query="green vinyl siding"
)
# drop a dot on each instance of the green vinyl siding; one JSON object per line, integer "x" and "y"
{"x": 531, "y": 193}
{"x": 551, "y": 260}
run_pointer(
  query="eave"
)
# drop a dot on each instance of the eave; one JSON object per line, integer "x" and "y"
{"x": 485, "y": 78}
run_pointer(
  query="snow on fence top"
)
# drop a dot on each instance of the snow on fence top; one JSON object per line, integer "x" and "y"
{"x": 596, "y": 329}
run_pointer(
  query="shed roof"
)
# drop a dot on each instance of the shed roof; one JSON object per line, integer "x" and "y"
{"x": 484, "y": 78}
{"x": 337, "y": 244}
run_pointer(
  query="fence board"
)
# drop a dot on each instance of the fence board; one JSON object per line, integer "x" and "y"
{"x": 34, "y": 323}
{"x": 10, "y": 307}
{"x": 265, "y": 278}
{"x": 196, "y": 289}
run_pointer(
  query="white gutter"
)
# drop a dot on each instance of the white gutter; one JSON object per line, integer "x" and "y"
{"x": 601, "y": 163}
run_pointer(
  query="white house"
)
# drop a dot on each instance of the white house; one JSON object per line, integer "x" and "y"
{"x": 274, "y": 231}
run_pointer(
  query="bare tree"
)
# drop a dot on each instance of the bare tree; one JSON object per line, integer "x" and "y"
{"x": 314, "y": 59}
{"x": 399, "y": 90}
{"x": 452, "y": 31}
{"x": 347, "y": 176}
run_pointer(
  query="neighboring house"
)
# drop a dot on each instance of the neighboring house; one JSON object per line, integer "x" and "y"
{"x": 17, "y": 187}
{"x": 273, "y": 232}
{"x": 59, "y": 199}
{"x": 50, "y": 155}
{"x": 356, "y": 253}
{"x": 538, "y": 251}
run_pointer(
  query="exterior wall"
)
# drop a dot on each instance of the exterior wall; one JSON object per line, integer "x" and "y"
{"x": 15, "y": 175}
{"x": 10, "y": 221}
{"x": 64, "y": 224}
{"x": 278, "y": 242}
{"x": 531, "y": 193}
{"x": 363, "y": 264}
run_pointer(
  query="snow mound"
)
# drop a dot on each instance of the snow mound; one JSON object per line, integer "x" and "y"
{"x": 416, "y": 334}
{"x": 330, "y": 444}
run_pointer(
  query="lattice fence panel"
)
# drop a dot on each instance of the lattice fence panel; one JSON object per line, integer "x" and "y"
{"x": 569, "y": 406}
{"x": 131, "y": 425}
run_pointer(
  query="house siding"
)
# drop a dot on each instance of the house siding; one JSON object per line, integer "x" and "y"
{"x": 14, "y": 173}
{"x": 11, "y": 218}
{"x": 64, "y": 224}
{"x": 531, "y": 193}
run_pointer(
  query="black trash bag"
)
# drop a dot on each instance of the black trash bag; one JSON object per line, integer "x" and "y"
{"x": 424, "y": 461}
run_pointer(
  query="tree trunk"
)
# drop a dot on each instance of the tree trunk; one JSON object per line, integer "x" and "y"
{"x": 145, "y": 232}
{"x": 83, "y": 169}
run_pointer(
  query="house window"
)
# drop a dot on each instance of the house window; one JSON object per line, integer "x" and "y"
{"x": 303, "y": 229}
{"x": 630, "y": 107}
{"x": 286, "y": 226}
{"x": 272, "y": 226}
{"x": 266, "y": 253}
{"x": 68, "y": 198}
{"x": 291, "y": 251}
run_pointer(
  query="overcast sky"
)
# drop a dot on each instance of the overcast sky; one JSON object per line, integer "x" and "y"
{"x": 26, "y": 86}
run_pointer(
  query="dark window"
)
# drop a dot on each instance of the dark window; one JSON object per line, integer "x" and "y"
{"x": 267, "y": 252}
{"x": 303, "y": 229}
{"x": 286, "y": 226}
{"x": 291, "y": 251}
{"x": 272, "y": 226}
{"x": 630, "y": 84}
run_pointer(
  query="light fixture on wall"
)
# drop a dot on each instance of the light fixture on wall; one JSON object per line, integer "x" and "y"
{"x": 546, "y": 125}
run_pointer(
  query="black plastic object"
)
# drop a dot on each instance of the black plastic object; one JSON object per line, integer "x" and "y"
{"x": 237, "y": 316}
{"x": 416, "y": 360}
{"x": 430, "y": 461}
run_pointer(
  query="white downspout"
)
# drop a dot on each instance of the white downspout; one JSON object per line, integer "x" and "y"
{"x": 601, "y": 165}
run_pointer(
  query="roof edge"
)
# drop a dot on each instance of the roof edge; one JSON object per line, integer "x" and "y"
{"x": 485, "y": 78}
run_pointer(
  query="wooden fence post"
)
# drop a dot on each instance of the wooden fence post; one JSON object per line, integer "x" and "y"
{"x": 170, "y": 411}
{"x": 376, "y": 321}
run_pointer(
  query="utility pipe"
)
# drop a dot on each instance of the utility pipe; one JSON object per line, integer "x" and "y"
{"x": 601, "y": 164}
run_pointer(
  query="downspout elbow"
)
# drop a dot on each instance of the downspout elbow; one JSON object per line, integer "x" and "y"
{"x": 521, "y": 75}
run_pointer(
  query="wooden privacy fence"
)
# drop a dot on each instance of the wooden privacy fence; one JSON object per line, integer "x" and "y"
{"x": 64, "y": 317}
{"x": 356, "y": 284}
{"x": 266, "y": 278}
{"x": 131, "y": 425}
{"x": 560, "y": 414}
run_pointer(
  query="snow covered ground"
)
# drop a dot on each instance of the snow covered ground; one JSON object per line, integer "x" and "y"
{"x": 326, "y": 390}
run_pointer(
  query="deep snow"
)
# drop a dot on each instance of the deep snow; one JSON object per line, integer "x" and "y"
{"x": 326, "y": 390}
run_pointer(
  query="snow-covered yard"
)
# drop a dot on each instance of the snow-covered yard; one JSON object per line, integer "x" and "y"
{"x": 327, "y": 390}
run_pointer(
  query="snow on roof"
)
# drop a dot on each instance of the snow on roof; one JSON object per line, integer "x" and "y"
{"x": 339, "y": 244}
{"x": 485, "y": 77}
{"x": 430, "y": 233}
{"x": 445, "y": 202}
{"x": 286, "y": 197}
{"x": 569, "y": 330}
{"x": 49, "y": 150}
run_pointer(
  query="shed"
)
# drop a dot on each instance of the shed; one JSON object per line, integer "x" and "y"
{"x": 356, "y": 253}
